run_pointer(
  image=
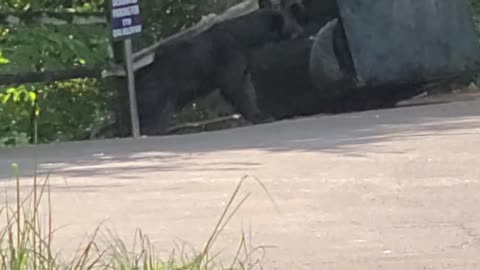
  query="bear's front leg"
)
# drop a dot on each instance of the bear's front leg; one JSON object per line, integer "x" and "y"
{"x": 237, "y": 89}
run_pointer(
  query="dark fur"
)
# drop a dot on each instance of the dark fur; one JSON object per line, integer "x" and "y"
{"x": 310, "y": 14}
{"x": 188, "y": 68}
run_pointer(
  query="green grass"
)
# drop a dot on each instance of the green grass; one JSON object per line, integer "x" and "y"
{"x": 26, "y": 243}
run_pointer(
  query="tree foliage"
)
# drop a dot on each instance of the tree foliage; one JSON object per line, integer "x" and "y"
{"x": 68, "y": 110}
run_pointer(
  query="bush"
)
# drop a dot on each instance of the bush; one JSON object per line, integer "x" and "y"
{"x": 26, "y": 243}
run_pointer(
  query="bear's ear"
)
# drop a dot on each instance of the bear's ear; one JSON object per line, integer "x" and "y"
{"x": 296, "y": 9}
{"x": 298, "y": 12}
{"x": 265, "y": 4}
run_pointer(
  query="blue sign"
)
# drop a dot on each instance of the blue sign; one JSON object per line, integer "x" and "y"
{"x": 125, "y": 18}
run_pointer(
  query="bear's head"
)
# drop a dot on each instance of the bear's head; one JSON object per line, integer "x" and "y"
{"x": 288, "y": 19}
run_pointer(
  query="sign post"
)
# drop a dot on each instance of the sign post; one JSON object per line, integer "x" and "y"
{"x": 125, "y": 24}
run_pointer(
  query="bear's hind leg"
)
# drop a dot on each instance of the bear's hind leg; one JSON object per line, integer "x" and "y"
{"x": 237, "y": 88}
{"x": 155, "y": 119}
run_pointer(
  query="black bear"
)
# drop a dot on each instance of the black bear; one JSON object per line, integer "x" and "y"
{"x": 310, "y": 14}
{"x": 307, "y": 75}
{"x": 218, "y": 58}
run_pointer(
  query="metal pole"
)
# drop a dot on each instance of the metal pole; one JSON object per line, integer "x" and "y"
{"x": 131, "y": 88}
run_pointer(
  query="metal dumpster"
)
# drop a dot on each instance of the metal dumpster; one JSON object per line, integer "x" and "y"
{"x": 409, "y": 41}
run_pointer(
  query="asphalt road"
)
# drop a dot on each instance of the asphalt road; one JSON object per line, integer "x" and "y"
{"x": 392, "y": 189}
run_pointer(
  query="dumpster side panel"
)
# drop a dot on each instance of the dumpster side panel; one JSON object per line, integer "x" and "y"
{"x": 409, "y": 40}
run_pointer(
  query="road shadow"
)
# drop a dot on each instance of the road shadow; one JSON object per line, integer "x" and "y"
{"x": 341, "y": 134}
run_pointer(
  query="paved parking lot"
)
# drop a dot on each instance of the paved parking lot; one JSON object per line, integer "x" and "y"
{"x": 392, "y": 189}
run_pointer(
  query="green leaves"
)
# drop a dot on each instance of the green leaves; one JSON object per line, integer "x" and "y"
{"x": 36, "y": 48}
{"x": 3, "y": 60}
{"x": 69, "y": 110}
{"x": 52, "y": 5}
{"x": 13, "y": 138}
{"x": 162, "y": 18}
{"x": 63, "y": 110}
{"x": 15, "y": 103}
{"x": 18, "y": 94}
